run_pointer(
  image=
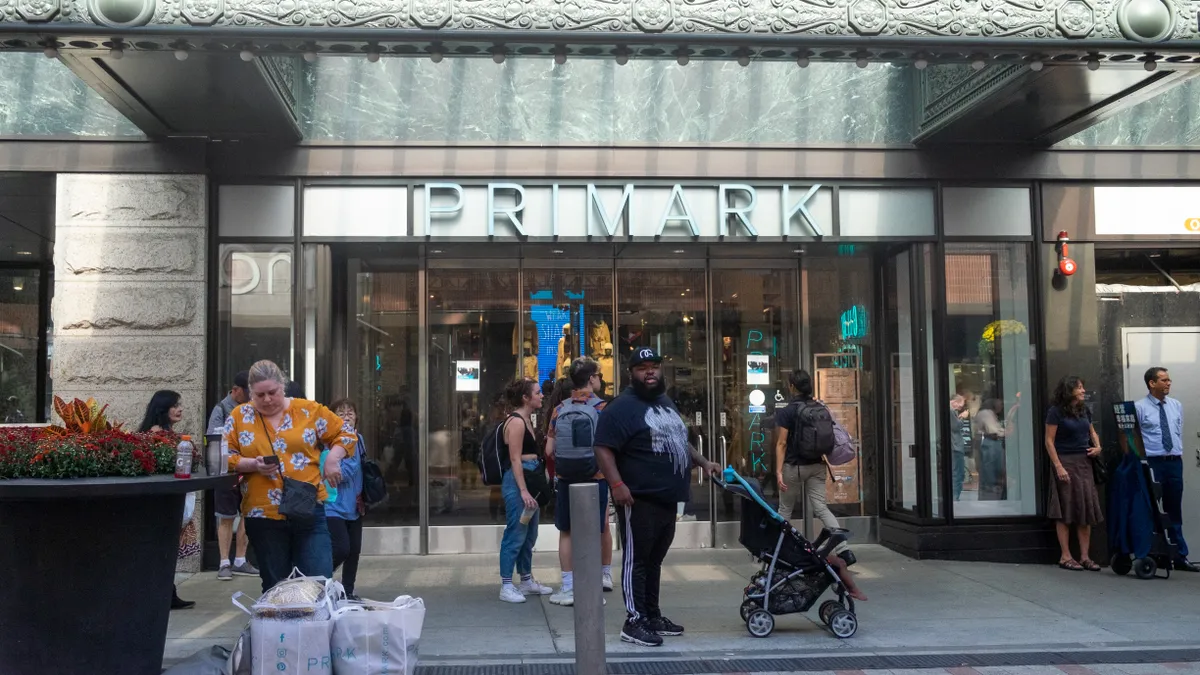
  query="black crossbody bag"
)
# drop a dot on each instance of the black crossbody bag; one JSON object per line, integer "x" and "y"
{"x": 299, "y": 502}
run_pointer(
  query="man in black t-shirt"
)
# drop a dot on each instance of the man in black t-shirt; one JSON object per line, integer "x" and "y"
{"x": 643, "y": 450}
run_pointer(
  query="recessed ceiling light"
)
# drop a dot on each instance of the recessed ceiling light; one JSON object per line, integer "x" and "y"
{"x": 679, "y": 250}
{"x": 24, "y": 252}
{"x": 558, "y": 251}
{"x": 437, "y": 250}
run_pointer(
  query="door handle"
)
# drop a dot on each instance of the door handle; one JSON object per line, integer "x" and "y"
{"x": 724, "y": 454}
{"x": 912, "y": 451}
{"x": 700, "y": 443}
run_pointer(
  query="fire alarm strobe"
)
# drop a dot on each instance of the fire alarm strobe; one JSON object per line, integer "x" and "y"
{"x": 1066, "y": 266}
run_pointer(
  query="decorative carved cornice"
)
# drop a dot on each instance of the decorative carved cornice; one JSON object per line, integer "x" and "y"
{"x": 948, "y": 91}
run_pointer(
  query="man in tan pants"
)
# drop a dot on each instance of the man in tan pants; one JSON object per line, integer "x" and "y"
{"x": 800, "y": 464}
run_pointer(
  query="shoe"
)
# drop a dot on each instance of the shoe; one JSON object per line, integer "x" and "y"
{"x": 1186, "y": 565}
{"x": 607, "y": 582}
{"x": 565, "y": 597}
{"x": 847, "y": 557}
{"x": 664, "y": 626}
{"x": 245, "y": 570}
{"x": 532, "y": 587}
{"x": 509, "y": 593}
{"x": 225, "y": 573}
{"x": 639, "y": 634}
{"x": 177, "y": 603}
{"x": 353, "y": 598}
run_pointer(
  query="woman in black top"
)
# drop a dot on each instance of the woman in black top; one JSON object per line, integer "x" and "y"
{"x": 525, "y": 463}
{"x": 164, "y": 411}
{"x": 1071, "y": 442}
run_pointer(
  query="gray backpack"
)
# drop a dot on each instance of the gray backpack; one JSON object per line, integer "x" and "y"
{"x": 575, "y": 439}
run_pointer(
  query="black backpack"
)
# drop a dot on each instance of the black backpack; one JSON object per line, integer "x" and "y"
{"x": 493, "y": 458}
{"x": 374, "y": 489}
{"x": 811, "y": 437}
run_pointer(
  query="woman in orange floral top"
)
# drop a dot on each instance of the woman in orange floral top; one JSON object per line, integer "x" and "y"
{"x": 294, "y": 430}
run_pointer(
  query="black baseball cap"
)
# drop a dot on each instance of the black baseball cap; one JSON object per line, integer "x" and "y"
{"x": 643, "y": 355}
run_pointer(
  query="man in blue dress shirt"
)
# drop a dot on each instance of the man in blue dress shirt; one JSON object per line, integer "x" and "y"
{"x": 1161, "y": 421}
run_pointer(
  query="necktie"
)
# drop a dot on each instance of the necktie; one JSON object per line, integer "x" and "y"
{"x": 1167, "y": 443}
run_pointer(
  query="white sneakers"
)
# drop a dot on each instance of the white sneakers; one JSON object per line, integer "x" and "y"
{"x": 509, "y": 593}
{"x": 532, "y": 587}
{"x": 565, "y": 597}
{"x": 607, "y": 582}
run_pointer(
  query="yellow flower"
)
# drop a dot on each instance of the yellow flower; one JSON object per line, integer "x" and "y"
{"x": 1002, "y": 327}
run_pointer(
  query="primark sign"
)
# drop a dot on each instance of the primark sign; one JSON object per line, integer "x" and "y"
{"x": 572, "y": 211}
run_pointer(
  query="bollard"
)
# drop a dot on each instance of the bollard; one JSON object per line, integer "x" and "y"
{"x": 589, "y": 595}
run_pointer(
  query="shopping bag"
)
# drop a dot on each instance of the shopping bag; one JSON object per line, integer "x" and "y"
{"x": 377, "y": 638}
{"x": 296, "y": 598}
{"x": 284, "y": 646}
{"x": 211, "y": 661}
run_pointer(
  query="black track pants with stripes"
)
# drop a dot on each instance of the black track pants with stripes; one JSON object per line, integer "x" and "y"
{"x": 647, "y": 530}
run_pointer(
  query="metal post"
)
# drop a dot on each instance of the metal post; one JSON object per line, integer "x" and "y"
{"x": 589, "y": 596}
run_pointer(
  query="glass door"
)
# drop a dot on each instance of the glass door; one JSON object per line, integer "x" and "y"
{"x": 756, "y": 345}
{"x": 662, "y": 305}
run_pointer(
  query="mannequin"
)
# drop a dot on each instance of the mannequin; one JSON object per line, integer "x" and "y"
{"x": 607, "y": 371}
{"x": 598, "y": 335}
{"x": 564, "y": 344}
{"x": 529, "y": 365}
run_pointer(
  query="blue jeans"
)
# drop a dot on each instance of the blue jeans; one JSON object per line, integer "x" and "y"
{"x": 1168, "y": 471}
{"x": 960, "y": 471}
{"x": 992, "y": 482}
{"x": 281, "y": 545}
{"x": 516, "y": 547}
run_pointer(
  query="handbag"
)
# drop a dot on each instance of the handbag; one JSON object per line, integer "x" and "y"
{"x": 1099, "y": 469}
{"x": 299, "y": 501}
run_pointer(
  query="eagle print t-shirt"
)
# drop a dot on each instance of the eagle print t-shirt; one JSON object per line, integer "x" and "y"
{"x": 650, "y": 443}
{"x": 306, "y": 427}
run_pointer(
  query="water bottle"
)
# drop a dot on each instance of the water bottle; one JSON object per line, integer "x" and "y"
{"x": 183, "y": 458}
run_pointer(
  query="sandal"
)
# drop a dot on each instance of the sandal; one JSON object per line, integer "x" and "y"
{"x": 1070, "y": 564}
{"x": 1089, "y": 565}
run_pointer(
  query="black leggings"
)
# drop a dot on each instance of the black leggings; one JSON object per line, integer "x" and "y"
{"x": 347, "y": 546}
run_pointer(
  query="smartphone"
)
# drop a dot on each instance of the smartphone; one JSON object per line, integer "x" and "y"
{"x": 271, "y": 459}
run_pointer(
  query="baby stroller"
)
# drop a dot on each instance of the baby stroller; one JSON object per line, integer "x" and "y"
{"x": 1138, "y": 536}
{"x": 794, "y": 574}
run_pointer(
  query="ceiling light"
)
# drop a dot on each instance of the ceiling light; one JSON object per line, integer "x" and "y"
{"x": 560, "y": 55}
{"x": 978, "y": 63}
{"x": 861, "y": 62}
{"x": 1150, "y": 65}
{"x": 436, "y": 55}
{"x": 921, "y": 64}
{"x": 802, "y": 59}
{"x": 373, "y": 56}
{"x": 1036, "y": 66}
{"x": 24, "y": 252}
{"x": 622, "y": 56}
{"x": 181, "y": 54}
{"x": 682, "y": 57}
{"x": 310, "y": 56}
{"x": 117, "y": 52}
{"x": 498, "y": 54}
{"x": 558, "y": 251}
{"x": 437, "y": 250}
{"x": 18, "y": 284}
{"x": 678, "y": 250}
{"x": 247, "y": 55}
{"x": 51, "y": 51}
{"x": 1093, "y": 63}
{"x": 743, "y": 58}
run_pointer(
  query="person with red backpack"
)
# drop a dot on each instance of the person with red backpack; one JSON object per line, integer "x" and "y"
{"x": 570, "y": 442}
{"x": 804, "y": 438}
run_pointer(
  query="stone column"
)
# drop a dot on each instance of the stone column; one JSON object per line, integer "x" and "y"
{"x": 129, "y": 294}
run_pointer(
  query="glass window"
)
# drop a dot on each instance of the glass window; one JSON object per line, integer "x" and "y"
{"x": 254, "y": 309}
{"x": 385, "y": 382}
{"x": 988, "y": 355}
{"x": 986, "y": 212}
{"x": 256, "y": 210}
{"x": 886, "y": 212}
{"x": 838, "y": 284}
{"x": 42, "y": 97}
{"x": 19, "y": 365}
{"x": 474, "y": 349}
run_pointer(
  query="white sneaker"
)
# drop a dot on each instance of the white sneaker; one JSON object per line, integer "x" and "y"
{"x": 509, "y": 593}
{"x": 532, "y": 587}
{"x": 607, "y": 582}
{"x": 565, "y": 597}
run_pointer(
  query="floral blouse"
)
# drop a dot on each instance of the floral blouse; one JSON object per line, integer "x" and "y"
{"x": 306, "y": 426}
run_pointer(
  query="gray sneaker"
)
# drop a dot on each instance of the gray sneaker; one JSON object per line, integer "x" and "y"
{"x": 225, "y": 573}
{"x": 245, "y": 570}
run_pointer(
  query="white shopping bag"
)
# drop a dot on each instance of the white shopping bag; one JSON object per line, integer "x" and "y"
{"x": 377, "y": 638}
{"x": 290, "y": 647}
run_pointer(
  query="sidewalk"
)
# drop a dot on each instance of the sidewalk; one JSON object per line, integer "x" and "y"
{"x": 915, "y": 607}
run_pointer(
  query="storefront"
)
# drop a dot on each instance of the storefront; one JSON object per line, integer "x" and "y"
{"x": 421, "y": 300}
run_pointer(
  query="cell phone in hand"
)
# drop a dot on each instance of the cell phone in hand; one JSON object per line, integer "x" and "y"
{"x": 271, "y": 459}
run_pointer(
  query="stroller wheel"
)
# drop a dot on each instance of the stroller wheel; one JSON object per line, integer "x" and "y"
{"x": 843, "y": 623}
{"x": 760, "y": 623}
{"x": 748, "y": 608}
{"x": 827, "y": 609}
{"x": 1145, "y": 568}
{"x": 1121, "y": 564}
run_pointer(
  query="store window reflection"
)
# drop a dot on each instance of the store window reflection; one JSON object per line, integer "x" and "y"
{"x": 475, "y": 345}
{"x": 19, "y": 338}
{"x": 986, "y": 343}
{"x": 386, "y": 336}
{"x": 254, "y": 308}
{"x": 838, "y": 284}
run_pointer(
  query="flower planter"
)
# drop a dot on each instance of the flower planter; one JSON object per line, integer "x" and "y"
{"x": 88, "y": 565}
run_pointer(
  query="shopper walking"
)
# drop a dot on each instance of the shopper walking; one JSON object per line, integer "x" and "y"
{"x": 574, "y": 421}
{"x": 1072, "y": 442}
{"x": 524, "y": 487}
{"x": 276, "y": 437}
{"x": 1161, "y": 420}
{"x": 163, "y": 412}
{"x": 960, "y": 436}
{"x": 344, "y": 514}
{"x": 227, "y": 504}
{"x": 642, "y": 449}
{"x": 803, "y": 438}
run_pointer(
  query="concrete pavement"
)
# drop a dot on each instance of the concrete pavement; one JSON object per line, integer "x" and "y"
{"x": 929, "y": 607}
